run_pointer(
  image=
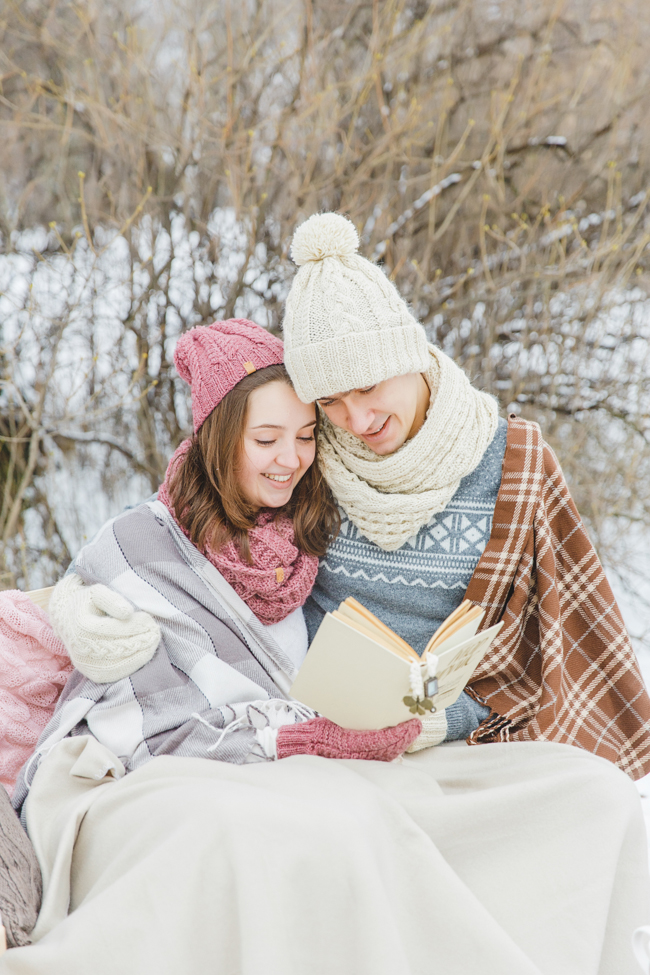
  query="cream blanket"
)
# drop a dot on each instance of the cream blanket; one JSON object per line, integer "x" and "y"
{"x": 512, "y": 859}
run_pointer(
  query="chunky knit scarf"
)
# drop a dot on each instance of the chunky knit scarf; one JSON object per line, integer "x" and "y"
{"x": 390, "y": 498}
{"x": 280, "y": 577}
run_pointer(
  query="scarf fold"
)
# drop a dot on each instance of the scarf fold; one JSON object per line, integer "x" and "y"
{"x": 279, "y": 577}
{"x": 390, "y": 498}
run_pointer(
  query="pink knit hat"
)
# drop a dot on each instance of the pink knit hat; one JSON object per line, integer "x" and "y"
{"x": 214, "y": 358}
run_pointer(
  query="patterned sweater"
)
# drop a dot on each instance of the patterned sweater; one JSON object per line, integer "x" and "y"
{"x": 415, "y": 588}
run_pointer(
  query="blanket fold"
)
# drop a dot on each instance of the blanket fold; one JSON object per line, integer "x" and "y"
{"x": 562, "y": 669}
{"x": 513, "y": 859}
{"x": 216, "y": 678}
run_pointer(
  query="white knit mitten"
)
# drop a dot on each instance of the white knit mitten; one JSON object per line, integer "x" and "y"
{"x": 434, "y": 730}
{"x": 105, "y": 637}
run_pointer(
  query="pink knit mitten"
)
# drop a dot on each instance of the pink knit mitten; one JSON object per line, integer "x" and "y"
{"x": 322, "y": 737}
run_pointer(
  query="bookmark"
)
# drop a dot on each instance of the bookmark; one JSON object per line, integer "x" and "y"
{"x": 424, "y": 684}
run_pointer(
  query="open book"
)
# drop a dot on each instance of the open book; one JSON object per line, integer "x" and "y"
{"x": 362, "y": 675}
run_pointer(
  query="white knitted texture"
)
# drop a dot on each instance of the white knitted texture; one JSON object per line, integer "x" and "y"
{"x": 390, "y": 498}
{"x": 434, "y": 730}
{"x": 324, "y": 235}
{"x": 106, "y": 639}
{"x": 345, "y": 325}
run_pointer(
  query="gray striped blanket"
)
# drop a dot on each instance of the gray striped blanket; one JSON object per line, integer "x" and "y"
{"x": 216, "y": 669}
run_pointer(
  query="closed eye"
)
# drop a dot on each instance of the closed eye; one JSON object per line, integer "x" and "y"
{"x": 368, "y": 389}
{"x": 265, "y": 443}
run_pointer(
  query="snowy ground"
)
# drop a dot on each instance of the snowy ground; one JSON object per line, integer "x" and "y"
{"x": 644, "y": 784}
{"x": 644, "y": 789}
{"x": 634, "y": 607}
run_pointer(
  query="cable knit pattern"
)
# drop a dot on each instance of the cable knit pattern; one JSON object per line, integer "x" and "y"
{"x": 390, "y": 498}
{"x": 106, "y": 638}
{"x": 345, "y": 324}
{"x": 34, "y": 667}
{"x": 280, "y": 577}
{"x": 214, "y": 358}
{"x": 322, "y": 737}
{"x": 434, "y": 731}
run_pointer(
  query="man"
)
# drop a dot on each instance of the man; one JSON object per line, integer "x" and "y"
{"x": 441, "y": 500}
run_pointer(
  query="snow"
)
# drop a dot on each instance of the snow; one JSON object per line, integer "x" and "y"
{"x": 635, "y": 607}
{"x": 644, "y": 791}
{"x": 643, "y": 785}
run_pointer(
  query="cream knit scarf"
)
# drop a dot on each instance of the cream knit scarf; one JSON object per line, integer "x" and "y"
{"x": 390, "y": 498}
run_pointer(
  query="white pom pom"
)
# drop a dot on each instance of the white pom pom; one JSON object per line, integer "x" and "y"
{"x": 324, "y": 235}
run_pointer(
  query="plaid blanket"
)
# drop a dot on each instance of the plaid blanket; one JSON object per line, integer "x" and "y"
{"x": 215, "y": 669}
{"x": 562, "y": 668}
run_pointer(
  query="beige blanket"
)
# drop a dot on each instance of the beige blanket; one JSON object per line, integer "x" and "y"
{"x": 504, "y": 859}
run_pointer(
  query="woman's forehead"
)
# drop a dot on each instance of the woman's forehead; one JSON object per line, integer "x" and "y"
{"x": 276, "y": 404}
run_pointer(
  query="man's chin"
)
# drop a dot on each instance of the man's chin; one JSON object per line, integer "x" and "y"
{"x": 388, "y": 446}
{"x": 387, "y": 441}
{"x": 384, "y": 449}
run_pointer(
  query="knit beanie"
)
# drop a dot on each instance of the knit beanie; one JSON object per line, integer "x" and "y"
{"x": 345, "y": 325}
{"x": 214, "y": 358}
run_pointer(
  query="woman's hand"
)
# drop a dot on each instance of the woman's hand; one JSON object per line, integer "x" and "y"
{"x": 322, "y": 737}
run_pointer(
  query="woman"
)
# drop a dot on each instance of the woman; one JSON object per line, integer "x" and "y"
{"x": 218, "y": 569}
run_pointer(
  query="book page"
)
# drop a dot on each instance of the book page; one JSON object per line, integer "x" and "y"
{"x": 355, "y": 609}
{"x": 352, "y": 680}
{"x": 352, "y": 619}
{"x": 462, "y": 630}
{"x": 464, "y": 607}
{"x": 456, "y": 666}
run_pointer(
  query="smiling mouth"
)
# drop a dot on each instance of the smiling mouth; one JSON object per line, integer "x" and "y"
{"x": 282, "y": 478}
{"x": 375, "y": 433}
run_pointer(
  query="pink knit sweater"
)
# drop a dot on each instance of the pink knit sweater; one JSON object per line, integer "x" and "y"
{"x": 34, "y": 667}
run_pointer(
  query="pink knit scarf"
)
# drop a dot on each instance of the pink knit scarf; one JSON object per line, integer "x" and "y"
{"x": 280, "y": 577}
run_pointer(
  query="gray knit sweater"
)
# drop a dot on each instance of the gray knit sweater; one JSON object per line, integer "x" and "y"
{"x": 415, "y": 588}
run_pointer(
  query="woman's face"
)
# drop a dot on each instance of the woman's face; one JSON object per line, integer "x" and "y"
{"x": 279, "y": 445}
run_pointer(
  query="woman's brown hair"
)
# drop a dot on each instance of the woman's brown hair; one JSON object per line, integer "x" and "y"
{"x": 205, "y": 493}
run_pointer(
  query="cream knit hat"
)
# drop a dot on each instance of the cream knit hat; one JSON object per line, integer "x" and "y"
{"x": 345, "y": 325}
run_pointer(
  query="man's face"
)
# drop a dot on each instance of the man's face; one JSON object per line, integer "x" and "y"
{"x": 384, "y": 416}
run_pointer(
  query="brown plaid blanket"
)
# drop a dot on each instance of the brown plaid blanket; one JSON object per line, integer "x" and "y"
{"x": 562, "y": 669}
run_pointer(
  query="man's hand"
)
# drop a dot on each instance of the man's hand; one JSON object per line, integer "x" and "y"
{"x": 106, "y": 638}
